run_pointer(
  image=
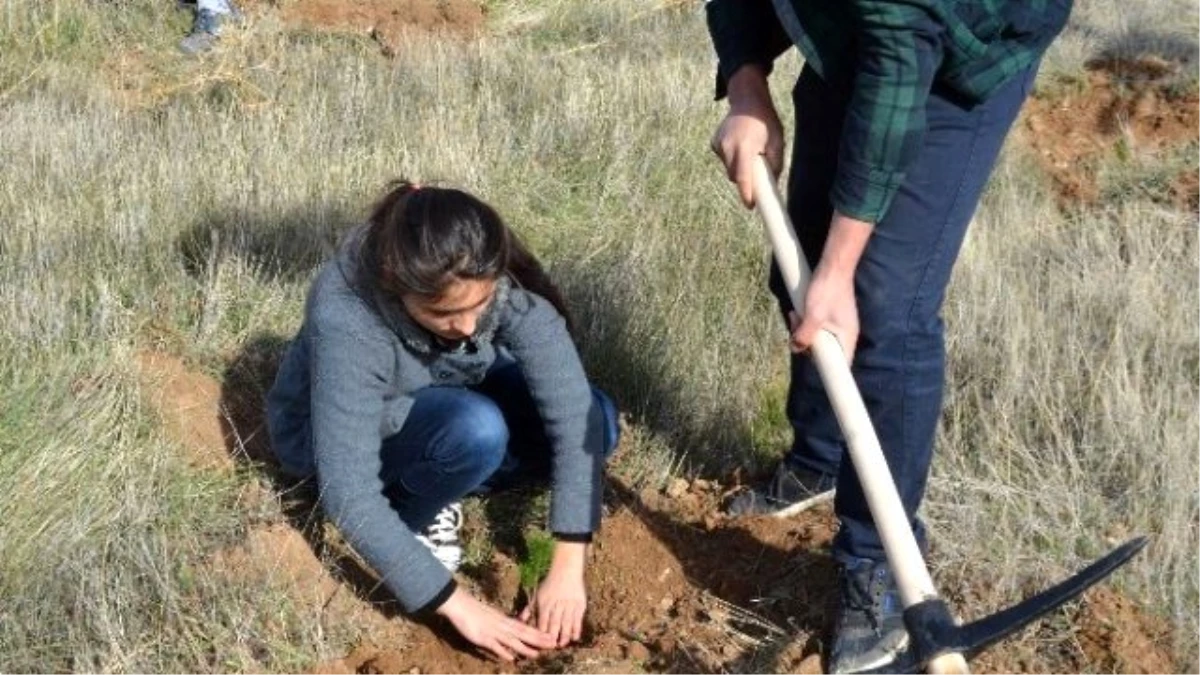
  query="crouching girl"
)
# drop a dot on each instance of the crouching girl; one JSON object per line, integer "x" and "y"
{"x": 435, "y": 360}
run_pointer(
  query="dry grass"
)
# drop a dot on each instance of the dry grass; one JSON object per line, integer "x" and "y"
{"x": 1114, "y": 29}
{"x": 149, "y": 199}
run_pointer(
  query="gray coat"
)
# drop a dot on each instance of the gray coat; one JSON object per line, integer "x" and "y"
{"x": 346, "y": 383}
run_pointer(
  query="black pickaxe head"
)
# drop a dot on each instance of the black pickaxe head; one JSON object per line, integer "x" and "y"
{"x": 932, "y": 630}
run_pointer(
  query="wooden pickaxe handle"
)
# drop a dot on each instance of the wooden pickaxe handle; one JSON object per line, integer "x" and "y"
{"x": 903, "y": 554}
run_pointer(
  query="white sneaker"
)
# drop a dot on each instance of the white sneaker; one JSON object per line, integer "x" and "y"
{"x": 441, "y": 536}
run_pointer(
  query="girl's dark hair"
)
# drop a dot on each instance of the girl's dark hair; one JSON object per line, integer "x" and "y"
{"x": 421, "y": 238}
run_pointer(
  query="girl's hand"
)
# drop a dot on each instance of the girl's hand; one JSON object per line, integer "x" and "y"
{"x": 828, "y": 305}
{"x": 488, "y": 628}
{"x": 561, "y": 600}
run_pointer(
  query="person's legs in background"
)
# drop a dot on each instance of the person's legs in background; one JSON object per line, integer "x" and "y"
{"x": 207, "y": 24}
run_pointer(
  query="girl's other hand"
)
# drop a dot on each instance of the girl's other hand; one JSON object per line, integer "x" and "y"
{"x": 492, "y": 630}
{"x": 560, "y": 602}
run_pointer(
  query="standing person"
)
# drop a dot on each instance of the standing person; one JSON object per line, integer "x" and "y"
{"x": 207, "y": 23}
{"x": 434, "y": 361}
{"x": 900, "y": 112}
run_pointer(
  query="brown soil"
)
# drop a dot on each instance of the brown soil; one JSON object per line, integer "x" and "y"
{"x": 1185, "y": 191}
{"x": 138, "y": 80}
{"x": 387, "y": 21}
{"x": 1105, "y": 632}
{"x": 1109, "y": 645}
{"x": 188, "y": 403}
{"x": 667, "y": 592}
{"x": 1146, "y": 102}
{"x": 674, "y": 587}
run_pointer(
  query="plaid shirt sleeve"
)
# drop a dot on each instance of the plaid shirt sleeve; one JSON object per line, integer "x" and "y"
{"x": 744, "y": 31}
{"x": 898, "y": 52}
{"x": 893, "y": 50}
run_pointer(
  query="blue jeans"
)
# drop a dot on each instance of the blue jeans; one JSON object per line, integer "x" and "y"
{"x": 899, "y": 284}
{"x": 214, "y": 6}
{"x": 458, "y": 441}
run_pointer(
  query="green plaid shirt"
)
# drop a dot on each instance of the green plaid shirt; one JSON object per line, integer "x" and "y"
{"x": 891, "y": 52}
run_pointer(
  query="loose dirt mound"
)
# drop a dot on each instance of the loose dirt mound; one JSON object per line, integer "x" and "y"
{"x": 667, "y": 594}
{"x": 1145, "y": 105}
{"x": 673, "y": 586}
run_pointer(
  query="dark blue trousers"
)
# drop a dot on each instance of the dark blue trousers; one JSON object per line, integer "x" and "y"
{"x": 900, "y": 284}
{"x": 458, "y": 441}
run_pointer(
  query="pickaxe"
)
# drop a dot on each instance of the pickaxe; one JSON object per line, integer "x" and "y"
{"x": 936, "y": 641}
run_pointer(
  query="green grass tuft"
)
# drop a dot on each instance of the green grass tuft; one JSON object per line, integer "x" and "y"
{"x": 539, "y": 551}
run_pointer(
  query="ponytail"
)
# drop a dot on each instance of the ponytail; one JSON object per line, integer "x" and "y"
{"x": 421, "y": 238}
{"x": 526, "y": 272}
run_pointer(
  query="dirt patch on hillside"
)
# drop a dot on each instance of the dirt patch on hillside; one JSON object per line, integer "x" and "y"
{"x": 1109, "y": 645}
{"x": 1185, "y": 189}
{"x": 1104, "y": 632}
{"x": 1146, "y": 105}
{"x": 140, "y": 78}
{"x": 387, "y": 21}
{"x": 454, "y": 16}
{"x": 673, "y": 585}
{"x": 189, "y": 405}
